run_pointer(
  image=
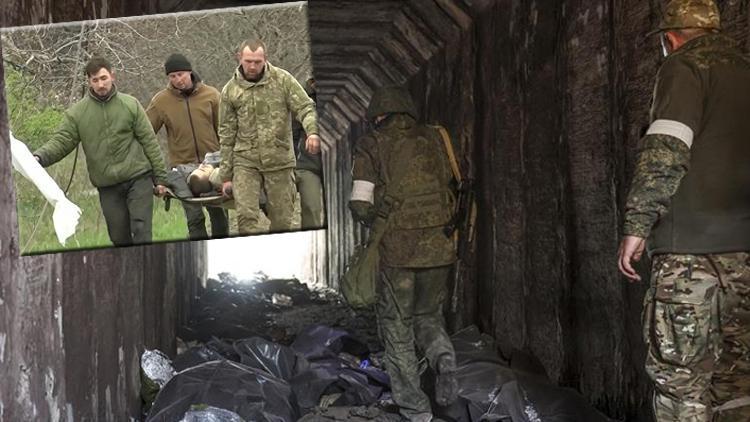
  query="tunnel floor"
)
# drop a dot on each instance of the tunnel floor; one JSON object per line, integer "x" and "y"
{"x": 258, "y": 323}
{"x": 275, "y": 350}
{"x": 275, "y": 309}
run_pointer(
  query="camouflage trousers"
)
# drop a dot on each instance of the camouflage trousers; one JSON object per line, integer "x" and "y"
{"x": 697, "y": 330}
{"x": 409, "y": 316}
{"x": 310, "y": 189}
{"x": 281, "y": 194}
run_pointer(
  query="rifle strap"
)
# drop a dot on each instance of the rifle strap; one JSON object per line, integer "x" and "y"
{"x": 455, "y": 169}
{"x": 451, "y": 154}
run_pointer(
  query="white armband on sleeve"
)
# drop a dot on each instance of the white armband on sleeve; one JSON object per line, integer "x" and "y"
{"x": 363, "y": 191}
{"x": 674, "y": 128}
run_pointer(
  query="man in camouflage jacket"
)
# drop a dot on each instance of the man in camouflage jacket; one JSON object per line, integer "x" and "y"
{"x": 690, "y": 196}
{"x": 256, "y": 139}
{"x": 401, "y": 171}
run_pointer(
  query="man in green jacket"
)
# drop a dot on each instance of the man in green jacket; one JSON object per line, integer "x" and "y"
{"x": 122, "y": 154}
{"x": 189, "y": 111}
{"x": 690, "y": 197}
{"x": 256, "y": 138}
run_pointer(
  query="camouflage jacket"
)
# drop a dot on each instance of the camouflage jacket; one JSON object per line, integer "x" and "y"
{"x": 408, "y": 162}
{"x": 691, "y": 188}
{"x": 116, "y": 136}
{"x": 255, "y": 123}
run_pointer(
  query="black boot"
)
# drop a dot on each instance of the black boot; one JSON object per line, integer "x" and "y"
{"x": 446, "y": 385}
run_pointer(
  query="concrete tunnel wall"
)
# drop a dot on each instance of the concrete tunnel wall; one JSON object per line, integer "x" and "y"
{"x": 548, "y": 101}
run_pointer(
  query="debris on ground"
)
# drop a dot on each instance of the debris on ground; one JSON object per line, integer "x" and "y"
{"x": 275, "y": 350}
{"x": 282, "y": 300}
{"x": 352, "y": 414}
{"x": 231, "y": 309}
{"x": 156, "y": 371}
{"x": 253, "y": 394}
{"x": 210, "y": 414}
{"x": 493, "y": 389}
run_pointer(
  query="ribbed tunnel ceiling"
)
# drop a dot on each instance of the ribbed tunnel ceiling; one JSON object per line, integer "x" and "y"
{"x": 358, "y": 46}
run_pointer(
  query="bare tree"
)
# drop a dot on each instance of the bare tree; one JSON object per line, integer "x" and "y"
{"x": 52, "y": 57}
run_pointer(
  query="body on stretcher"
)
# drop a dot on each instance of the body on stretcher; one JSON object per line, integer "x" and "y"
{"x": 205, "y": 184}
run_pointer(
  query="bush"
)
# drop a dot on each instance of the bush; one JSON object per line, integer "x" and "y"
{"x": 30, "y": 121}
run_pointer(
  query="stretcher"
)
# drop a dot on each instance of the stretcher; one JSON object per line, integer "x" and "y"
{"x": 206, "y": 200}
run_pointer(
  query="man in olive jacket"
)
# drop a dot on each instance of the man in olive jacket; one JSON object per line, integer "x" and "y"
{"x": 256, "y": 138}
{"x": 189, "y": 110}
{"x": 122, "y": 154}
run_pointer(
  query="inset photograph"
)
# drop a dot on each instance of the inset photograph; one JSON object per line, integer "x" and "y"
{"x": 170, "y": 127}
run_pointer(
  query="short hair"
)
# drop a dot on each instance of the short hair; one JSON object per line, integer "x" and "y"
{"x": 253, "y": 44}
{"x": 97, "y": 63}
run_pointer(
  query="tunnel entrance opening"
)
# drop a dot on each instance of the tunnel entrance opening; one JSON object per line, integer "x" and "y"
{"x": 263, "y": 327}
{"x": 287, "y": 255}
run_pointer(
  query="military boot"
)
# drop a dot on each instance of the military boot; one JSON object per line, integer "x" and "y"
{"x": 446, "y": 385}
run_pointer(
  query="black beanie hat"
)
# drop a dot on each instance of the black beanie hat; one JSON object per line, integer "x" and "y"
{"x": 177, "y": 62}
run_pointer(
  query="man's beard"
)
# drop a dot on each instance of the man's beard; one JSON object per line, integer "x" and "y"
{"x": 255, "y": 78}
{"x": 105, "y": 95}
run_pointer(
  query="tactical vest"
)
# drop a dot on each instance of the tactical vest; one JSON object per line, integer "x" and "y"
{"x": 710, "y": 212}
{"x": 417, "y": 180}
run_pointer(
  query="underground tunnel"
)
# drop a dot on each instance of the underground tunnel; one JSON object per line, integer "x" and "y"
{"x": 547, "y": 101}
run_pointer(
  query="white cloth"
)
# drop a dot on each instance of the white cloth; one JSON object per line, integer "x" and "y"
{"x": 66, "y": 215}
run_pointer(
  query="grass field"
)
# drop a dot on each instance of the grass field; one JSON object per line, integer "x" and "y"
{"x": 33, "y": 122}
{"x": 37, "y": 234}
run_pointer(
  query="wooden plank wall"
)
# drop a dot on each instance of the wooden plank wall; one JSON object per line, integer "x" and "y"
{"x": 73, "y": 325}
{"x": 552, "y": 101}
{"x": 553, "y": 97}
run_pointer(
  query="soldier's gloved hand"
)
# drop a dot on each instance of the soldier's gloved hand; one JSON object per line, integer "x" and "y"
{"x": 160, "y": 190}
{"x": 312, "y": 144}
{"x": 226, "y": 189}
{"x": 363, "y": 212}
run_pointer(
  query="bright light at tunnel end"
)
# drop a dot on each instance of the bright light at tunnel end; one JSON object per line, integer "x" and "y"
{"x": 284, "y": 255}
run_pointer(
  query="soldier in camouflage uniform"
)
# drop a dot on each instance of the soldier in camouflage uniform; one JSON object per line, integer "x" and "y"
{"x": 256, "y": 139}
{"x": 401, "y": 170}
{"x": 690, "y": 196}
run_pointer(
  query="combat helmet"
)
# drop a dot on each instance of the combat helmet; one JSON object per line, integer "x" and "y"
{"x": 683, "y": 14}
{"x": 390, "y": 99}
